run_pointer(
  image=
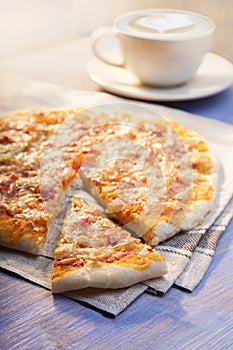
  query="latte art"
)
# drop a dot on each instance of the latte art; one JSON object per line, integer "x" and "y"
{"x": 164, "y": 24}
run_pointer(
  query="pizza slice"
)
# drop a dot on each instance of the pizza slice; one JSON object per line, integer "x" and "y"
{"x": 23, "y": 219}
{"x": 95, "y": 252}
{"x": 156, "y": 186}
{"x": 25, "y": 214}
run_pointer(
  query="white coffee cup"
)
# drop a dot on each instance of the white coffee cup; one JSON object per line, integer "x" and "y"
{"x": 162, "y": 47}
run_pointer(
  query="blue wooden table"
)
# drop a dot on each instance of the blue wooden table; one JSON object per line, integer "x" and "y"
{"x": 31, "y": 318}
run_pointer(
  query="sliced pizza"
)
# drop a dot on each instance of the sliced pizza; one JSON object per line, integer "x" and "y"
{"x": 95, "y": 252}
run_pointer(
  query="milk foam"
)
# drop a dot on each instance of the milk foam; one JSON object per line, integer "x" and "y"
{"x": 164, "y": 24}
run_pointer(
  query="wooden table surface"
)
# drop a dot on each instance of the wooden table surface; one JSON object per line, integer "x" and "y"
{"x": 31, "y": 318}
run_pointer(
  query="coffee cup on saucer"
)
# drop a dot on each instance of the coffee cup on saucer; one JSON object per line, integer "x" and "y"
{"x": 162, "y": 47}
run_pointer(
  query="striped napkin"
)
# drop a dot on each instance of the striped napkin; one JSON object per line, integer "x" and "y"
{"x": 188, "y": 254}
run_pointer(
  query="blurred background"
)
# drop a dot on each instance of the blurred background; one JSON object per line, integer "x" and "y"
{"x": 27, "y": 25}
{"x": 35, "y": 34}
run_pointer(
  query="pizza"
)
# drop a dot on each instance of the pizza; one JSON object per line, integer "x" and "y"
{"x": 95, "y": 252}
{"x": 151, "y": 176}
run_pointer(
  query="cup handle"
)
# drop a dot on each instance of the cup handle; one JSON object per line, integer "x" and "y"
{"x": 106, "y": 46}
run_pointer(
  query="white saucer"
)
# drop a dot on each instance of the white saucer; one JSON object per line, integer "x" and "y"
{"x": 214, "y": 75}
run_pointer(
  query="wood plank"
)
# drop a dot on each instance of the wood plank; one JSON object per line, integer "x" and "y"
{"x": 31, "y": 318}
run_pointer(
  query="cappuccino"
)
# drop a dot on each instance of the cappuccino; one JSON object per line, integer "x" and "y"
{"x": 164, "y": 24}
{"x": 162, "y": 47}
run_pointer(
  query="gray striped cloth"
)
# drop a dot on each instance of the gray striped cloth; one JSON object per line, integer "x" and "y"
{"x": 188, "y": 256}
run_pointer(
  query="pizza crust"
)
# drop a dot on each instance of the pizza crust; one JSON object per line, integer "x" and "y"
{"x": 17, "y": 233}
{"x": 105, "y": 276}
{"x": 24, "y": 244}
